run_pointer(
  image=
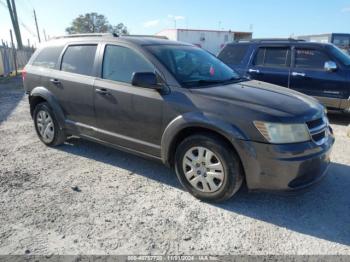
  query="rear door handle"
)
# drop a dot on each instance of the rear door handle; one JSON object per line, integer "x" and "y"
{"x": 101, "y": 91}
{"x": 254, "y": 71}
{"x": 298, "y": 74}
{"x": 55, "y": 81}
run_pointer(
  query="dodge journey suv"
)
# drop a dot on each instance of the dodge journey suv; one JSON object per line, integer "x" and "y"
{"x": 179, "y": 104}
{"x": 315, "y": 69}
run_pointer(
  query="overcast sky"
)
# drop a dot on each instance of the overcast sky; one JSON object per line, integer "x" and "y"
{"x": 269, "y": 18}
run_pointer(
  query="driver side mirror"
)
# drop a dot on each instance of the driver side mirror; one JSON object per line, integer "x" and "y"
{"x": 145, "y": 79}
{"x": 330, "y": 66}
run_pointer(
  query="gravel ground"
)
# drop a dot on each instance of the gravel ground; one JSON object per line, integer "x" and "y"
{"x": 84, "y": 198}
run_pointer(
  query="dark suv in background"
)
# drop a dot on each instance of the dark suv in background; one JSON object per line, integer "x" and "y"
{"x": 316, "y": 69}
{"x": 177, "y": 103}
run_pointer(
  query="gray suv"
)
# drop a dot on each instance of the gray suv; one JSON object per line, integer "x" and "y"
{"x": 178, "y": 104}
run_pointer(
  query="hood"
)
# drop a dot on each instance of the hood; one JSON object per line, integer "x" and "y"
{"x": 261, "y": 96}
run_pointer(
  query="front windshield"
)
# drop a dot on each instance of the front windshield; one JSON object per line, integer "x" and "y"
{"x": 193, "y": 66}
{"x": 340, "y": 55}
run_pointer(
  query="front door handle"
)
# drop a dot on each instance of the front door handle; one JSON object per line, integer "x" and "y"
{"x": 257, "y": 71}
{"x": 101, "y": 91}
{"x": 298, "y": 74}
{"x": 56, "y": 82}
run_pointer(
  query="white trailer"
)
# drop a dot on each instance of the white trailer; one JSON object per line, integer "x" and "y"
{"x": 211, "y": 40}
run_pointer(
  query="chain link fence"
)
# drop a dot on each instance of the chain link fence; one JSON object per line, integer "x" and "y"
{"x": 9, "y": 55}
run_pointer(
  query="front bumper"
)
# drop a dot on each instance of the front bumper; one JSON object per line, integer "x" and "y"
{"x": 285, "y": 167}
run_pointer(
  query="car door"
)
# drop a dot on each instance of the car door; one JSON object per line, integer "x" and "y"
{"x": 127, "y": 115}
{"x": 271, "y": 64}
{"x": 72, "y": 84}
{"x": 308, "y": 76}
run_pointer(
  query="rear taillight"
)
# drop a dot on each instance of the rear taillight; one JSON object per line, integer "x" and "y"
{"x": 24, "y": 74}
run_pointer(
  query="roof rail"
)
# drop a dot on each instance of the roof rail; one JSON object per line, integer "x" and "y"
{"x": 261, "y": 40}
{"x": 152, "y": 36}
{"x": 106, "y": 34}
{"x": 86, "y": 35}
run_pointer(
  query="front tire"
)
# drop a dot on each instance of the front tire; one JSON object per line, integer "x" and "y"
{"x": 208, "y": 168}
{"x": 46, "y": 125}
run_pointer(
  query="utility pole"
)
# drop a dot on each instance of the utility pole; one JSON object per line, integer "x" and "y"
{"x": 14, "y": 52}
{"x": 14, "y": 19}
{"x": 37, "y": 27}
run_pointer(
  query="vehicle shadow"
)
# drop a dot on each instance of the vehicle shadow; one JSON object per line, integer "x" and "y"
{"x": 11, "y": 93}
{"x": 339, "y": 118}
{"x": 322, "y": 212}
{"x": 119, "y": 159}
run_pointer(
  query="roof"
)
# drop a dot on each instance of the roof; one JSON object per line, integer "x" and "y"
{"x": 261, "y": 40}
{"x": 137, "y": 40}
{"x": 278, "y": 41}
{"x": 205, "y": 30}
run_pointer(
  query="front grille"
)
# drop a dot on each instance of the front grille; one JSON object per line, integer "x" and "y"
{"x": 319, "y": 136}
{"x": 315, "y": 123}
{"x": 318, "y": 129}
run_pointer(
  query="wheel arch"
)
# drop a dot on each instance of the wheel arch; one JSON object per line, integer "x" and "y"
{"x": 186, "y": 125}
{"x": 41, "y": 94}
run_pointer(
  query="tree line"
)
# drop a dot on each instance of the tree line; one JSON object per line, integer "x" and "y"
{"x": 95, "y": 23}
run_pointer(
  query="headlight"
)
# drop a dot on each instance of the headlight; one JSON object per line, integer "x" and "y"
{"x": 283, "y": 133}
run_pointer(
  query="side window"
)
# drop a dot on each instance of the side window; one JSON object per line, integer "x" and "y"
{"x": 48, "y": 57}
{"x": 260, "y": 57}
{"x": 233, "y": 54}
{"x": 119, "y": 64}
{"x": 79, "y": 59}
{"x": 273, "y": 57}
{"x": 309, "y": 58}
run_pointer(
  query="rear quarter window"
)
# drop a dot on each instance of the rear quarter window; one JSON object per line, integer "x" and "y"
{"x": 233, "y": 54}
{"x": 48, "y": 57}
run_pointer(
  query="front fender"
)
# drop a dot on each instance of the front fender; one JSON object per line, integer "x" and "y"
{"x": 47, "y": 95}
{"x": 197, "y": 120}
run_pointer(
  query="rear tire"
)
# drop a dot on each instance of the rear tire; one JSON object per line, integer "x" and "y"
{"x": 208, "y": 168}
{"x": 46, "y": 125}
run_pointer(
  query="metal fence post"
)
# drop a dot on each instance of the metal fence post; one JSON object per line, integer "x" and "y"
{"x": 14, "y": 53}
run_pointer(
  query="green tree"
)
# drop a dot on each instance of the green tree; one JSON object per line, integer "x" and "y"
{"x": 95, "y": 23}
{"x": 119, "y": 29}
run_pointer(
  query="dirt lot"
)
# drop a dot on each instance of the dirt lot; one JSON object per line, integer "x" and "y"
{"x": 84, "y": 198}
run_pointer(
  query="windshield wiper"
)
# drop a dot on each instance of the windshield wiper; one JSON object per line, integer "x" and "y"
{"x": 232, "y": 80}
{"x": 211, "y": 82}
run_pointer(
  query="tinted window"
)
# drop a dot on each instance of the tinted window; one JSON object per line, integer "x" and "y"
{"x": 233, "y": 54}
{"x": 273, "y": 57}
{"x": 79, "y": 59}
{"x": 48, "y": 57}
{"x": 309, "y": 58}
{"x": 120, "y": 63}
{"x": 342, "y": 41}
{"x": 260, "y": 57}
